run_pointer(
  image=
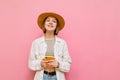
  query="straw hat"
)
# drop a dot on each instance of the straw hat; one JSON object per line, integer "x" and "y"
{"x": 43, "y": 16}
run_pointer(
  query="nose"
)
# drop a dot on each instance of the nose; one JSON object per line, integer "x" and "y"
{"x": 50, "y": 23}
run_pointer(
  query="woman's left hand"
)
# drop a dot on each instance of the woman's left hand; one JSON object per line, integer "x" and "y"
{"x": 53, "y": 63}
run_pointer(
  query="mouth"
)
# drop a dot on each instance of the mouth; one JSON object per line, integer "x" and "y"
{"x": 50, "y": 26}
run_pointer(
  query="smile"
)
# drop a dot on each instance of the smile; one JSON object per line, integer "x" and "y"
{"x": 50, "y": 26}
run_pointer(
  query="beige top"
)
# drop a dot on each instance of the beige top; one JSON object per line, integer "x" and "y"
{"x": 50, "y": 47}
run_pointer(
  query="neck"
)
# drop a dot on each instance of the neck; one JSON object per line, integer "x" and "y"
{"x": 49, "y": 35}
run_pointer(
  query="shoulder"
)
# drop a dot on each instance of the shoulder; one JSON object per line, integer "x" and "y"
{"x": 60, "y": 40}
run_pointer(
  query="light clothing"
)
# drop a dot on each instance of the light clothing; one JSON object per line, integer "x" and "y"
{"x": 61, "y": 54}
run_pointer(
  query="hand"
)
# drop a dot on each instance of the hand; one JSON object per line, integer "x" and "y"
{"x": 44, "y": 63}
{"x": 53, "y": 63}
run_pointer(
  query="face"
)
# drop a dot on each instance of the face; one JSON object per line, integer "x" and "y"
{"x": 50, "y": 24}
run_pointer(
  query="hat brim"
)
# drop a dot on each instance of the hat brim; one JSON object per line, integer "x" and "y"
{"x": 43, "y": 16}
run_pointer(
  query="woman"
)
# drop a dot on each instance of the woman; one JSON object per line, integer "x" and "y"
{"x": 50, "y": 45}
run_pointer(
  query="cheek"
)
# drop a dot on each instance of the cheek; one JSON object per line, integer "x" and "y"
{"x": 45, "y": 23}
{"x": 55, "y": 24}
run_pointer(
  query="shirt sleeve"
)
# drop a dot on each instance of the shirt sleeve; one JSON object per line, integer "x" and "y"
{"x": 65, "y": 64}
{"x": 34, "y": 62}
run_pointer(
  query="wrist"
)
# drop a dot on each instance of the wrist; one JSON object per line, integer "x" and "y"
{"x": 58, "y": 65}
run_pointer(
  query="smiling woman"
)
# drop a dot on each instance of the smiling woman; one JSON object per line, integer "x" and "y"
{"x": 50, "y": 24}
{"x": 49, "y": 55}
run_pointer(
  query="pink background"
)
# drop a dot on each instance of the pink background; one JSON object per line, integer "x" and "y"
{"x": 92, "y": 32}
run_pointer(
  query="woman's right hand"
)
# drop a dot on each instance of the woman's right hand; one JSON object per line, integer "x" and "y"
{"x": 44, "y": 63}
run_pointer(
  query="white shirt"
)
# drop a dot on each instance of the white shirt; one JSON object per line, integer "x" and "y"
{"x": 38, "y": 50}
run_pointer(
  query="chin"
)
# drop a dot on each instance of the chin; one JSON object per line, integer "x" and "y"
{"x": 50, "y": 30}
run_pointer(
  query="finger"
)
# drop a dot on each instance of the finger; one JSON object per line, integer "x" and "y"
{"x": 51, "y": 60}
